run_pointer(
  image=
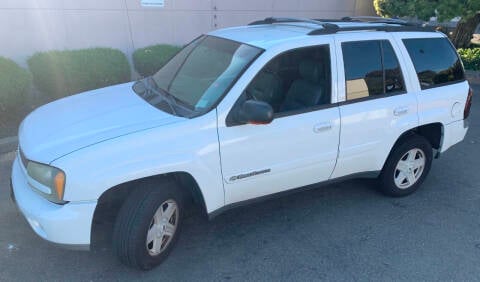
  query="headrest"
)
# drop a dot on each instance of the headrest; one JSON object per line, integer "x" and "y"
{"x": 312, "y": 71}
{"x": 273, "y": 66}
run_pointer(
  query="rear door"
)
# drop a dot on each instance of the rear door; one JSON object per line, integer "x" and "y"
{"x": 439, "y": 80}
{"x": 376, "y": 105}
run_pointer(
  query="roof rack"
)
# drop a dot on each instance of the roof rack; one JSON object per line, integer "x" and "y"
{"x": 333, "y": 28}
{"x": 328, "y": 26}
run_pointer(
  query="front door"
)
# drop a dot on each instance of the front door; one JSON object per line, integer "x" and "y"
{"x": 300, "y": 146}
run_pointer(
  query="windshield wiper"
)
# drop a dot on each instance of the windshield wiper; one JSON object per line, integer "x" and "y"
{"x": 173, "y": 99}
{"x": 167, "y": 97}
{"x": 147, "y": 89}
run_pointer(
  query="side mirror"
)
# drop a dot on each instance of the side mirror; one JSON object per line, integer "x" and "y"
{"x": 254, "y": 112}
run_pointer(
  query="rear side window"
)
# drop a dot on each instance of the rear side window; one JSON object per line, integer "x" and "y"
{"x": 435, "y": 61}
{"x": 371, "y": 69}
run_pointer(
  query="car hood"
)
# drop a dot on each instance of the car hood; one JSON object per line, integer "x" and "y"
{"x": 78, "y": 121}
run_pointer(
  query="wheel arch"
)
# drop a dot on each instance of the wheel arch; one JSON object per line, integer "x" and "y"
{"x": 433, "y": 132}
{"x": 112, "y": 199}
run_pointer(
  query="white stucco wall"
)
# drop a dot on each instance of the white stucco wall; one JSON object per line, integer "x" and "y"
{"x": 27, "y": 26}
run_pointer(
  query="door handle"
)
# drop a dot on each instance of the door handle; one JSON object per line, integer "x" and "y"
{"x": 400, "y": 111}
{"x": 324, "y": 126}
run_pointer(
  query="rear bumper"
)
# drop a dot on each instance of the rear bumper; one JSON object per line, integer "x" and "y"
{"x": 454, "y": 133}
{"x": 68, "y": 225}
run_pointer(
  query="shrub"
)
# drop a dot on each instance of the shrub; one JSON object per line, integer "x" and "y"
{"x": 148, "y": 60}
{"x": 62, "y": 73}
{"x": 470, "y": 58}
{"x": 15, "y": 84}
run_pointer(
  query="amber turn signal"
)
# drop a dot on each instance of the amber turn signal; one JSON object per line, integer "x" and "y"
{"x": 59, "y": 182}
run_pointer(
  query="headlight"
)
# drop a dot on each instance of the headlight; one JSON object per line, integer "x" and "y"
{"x": 49, "y": 176}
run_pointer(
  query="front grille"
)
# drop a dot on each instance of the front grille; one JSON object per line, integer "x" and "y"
{"x": 23, "y": 158}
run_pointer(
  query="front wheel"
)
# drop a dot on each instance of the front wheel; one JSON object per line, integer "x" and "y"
{"x": 148, "y": 225}
{"x": 406, "y": 167}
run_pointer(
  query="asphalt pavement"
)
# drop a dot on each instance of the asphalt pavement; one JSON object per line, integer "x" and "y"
{"x": 342, "y": 232}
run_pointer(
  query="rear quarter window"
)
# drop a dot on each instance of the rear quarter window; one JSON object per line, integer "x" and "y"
{"x": 436, "y": 61}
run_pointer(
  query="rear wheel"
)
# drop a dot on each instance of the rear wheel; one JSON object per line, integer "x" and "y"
{"x": 148, "y": 225}
{"x": 406, "y": 167}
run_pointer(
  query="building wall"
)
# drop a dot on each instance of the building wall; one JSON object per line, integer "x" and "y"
{"x": 27, "y": 26}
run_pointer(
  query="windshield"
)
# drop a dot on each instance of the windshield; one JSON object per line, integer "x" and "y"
{"x": 200, "y": 73}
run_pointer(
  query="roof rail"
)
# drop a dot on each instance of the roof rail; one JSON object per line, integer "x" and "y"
{"x": 329, "y": 20}
{"x": 333, "y": 28}
{"x": 370, "y": 19}
{"x": 273, "y": 20}
{"x": 327, "y": 26}
{"x": 365, "y": 19}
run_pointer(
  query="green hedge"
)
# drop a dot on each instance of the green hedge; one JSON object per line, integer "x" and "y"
{"x": 470, "y": 58}
{"x": 15, "y": 84}
{"x": 148, "y": 60}
{"x": 62, "y": 73}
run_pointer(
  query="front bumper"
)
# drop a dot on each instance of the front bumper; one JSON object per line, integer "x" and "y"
{"x": 68, "y": 225}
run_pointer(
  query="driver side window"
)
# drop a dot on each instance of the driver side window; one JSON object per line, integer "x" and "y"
{"x": 296, "y": 80}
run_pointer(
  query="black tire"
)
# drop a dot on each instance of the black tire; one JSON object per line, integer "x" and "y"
{"x": 386, "y": 178}
{"x": 135, "y": 218}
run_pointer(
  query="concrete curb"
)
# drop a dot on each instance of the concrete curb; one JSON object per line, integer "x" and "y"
{"x": 8, "y": 144}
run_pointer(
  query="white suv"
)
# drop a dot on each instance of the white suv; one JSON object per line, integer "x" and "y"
{"x": 237, "y": 115}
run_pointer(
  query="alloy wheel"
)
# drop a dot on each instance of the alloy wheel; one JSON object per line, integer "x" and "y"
{"x": 162, "y": 227}
{"x": 409, "y": 168}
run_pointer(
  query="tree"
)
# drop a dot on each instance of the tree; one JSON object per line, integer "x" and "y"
{"x": 468, "y": 10}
